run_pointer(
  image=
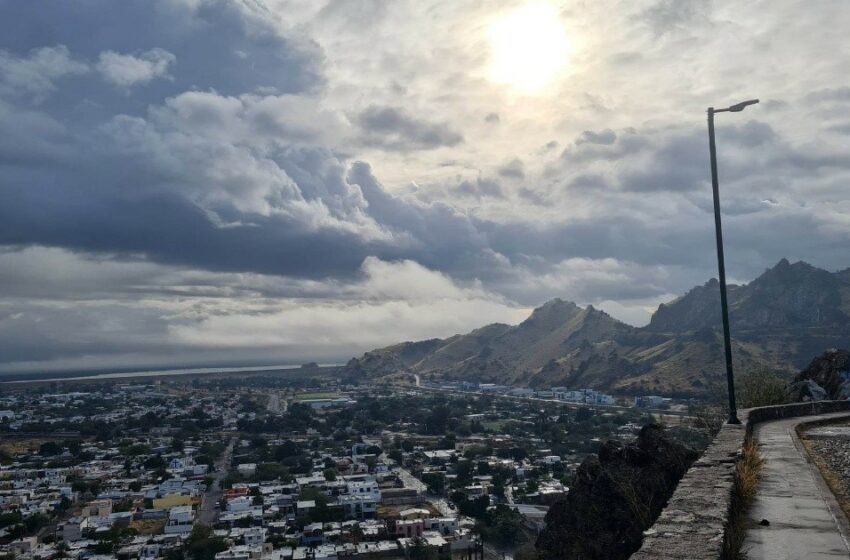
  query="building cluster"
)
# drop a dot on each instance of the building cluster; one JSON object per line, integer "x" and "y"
{"x": 112, "y": 475}
{"x": 578, "y": 396}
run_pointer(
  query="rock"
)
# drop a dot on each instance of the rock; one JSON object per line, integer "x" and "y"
{"x": 807, "y": 390}
{"x": 764, "y": 523}
{"x": 829, "y": 371}
{"x": 614, "y": 498}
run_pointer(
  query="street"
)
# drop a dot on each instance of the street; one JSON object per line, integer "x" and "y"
{"x": 411, "y": 481}
{"x": 275, "y": 404}
{"x": 208, "y": 513}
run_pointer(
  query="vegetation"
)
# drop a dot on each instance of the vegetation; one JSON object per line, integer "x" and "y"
{"x": 761, "y": 387}
{"x": 747, "y": 475}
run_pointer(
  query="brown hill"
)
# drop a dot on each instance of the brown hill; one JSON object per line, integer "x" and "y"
{"x": 782, "y": 319}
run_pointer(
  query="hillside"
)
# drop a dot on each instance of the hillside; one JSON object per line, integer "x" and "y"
{"x": 782, "y": 319}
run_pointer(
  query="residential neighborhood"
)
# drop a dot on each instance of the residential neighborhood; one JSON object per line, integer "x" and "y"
{"x": 272, "y": 468}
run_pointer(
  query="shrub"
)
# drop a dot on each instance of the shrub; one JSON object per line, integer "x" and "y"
{"x": 761, "y": 387}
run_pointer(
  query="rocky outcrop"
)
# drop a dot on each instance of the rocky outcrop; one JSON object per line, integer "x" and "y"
{"x": 788, "y": 296}
{"x": 826, "y": 378}
{"x": 614, "y": 498}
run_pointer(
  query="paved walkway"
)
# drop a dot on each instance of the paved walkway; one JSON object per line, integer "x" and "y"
{"x": 805, "y": 520}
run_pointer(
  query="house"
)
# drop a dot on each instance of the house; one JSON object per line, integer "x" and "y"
{"x": 409, "y": 528}
{"x": 443, "y": 525}
{"x": 97, "y": 508}
{"x": 313, "y": 534}
{"x": 23, "y": 545}
{"x": 242, "y": 503}
{"x": 550, "y": 460}
{"x": 255, "y": 536}
{"x": 180, "y": 520}
{"x": 70, "y": 530}
{"x": 304, "y": 507}
{"x": 247, "y": 469}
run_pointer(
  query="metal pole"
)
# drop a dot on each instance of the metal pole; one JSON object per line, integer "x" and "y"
{"x": 721, "y": 271}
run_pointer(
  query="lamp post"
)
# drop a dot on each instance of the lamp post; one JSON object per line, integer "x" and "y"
{"x": 721, "y": 266}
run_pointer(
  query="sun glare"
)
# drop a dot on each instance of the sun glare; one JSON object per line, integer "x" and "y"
{"x": 528, "y": 47}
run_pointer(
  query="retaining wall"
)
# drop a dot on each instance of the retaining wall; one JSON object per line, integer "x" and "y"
{"x": 693, "y": 523}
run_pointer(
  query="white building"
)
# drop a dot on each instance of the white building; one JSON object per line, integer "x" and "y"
{"x": 180, "y": 520}
{"x": 247, "y": 469}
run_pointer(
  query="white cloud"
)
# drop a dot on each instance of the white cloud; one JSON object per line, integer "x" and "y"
{"x": 58, "y": 305}
{"x": 127, "y": 70}
{"x": 395, "y": 301}
{"x": 35, "y": 74}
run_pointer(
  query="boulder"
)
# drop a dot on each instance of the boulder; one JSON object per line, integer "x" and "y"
{"x": 807, "y": 390}
{"x": 829, "y": 372}
{"x": 614, "y": 497}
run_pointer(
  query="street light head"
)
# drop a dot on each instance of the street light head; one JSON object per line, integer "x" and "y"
{"x": 738, "y": 107}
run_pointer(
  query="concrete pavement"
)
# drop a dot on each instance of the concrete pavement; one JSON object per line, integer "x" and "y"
{"x": 804, "y": 519}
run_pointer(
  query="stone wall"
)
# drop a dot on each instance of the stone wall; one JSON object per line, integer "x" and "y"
{"x": 693, "y": 523}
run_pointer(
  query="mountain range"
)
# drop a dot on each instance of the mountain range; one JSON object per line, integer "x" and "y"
{"x": 780, "y": 320}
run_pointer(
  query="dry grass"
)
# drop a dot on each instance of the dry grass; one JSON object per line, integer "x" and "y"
{"x": 15, "y": 447}
{"x": 747, "y": 476}
{"x": 148, "y": 526}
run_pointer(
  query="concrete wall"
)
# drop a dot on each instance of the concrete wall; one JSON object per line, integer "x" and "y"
{"x": 693, "y": 523}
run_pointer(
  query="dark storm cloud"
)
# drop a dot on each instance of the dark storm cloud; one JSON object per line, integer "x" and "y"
{"x": 843, "y": 128}
{"x": 480, "y": 188}
{"x": 514, "y": 169}
{"x": 605, "y": 137}
{"x": 840, "y": 94}
{"x": 666, "y": 16}
{"x": 393, "y": 128}
{"x": 227, "y": 46}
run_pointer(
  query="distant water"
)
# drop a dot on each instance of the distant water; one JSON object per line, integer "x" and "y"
{"x": 152, "y": 373}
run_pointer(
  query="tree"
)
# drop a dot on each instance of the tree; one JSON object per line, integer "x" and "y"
{"x": 49, "y": 448}
{"x": 583, "y": 414}
{"x": 436, "y": 482}
{"x": 330, "y": 474}
{"x": 202, "y": 544}
{"x": 420, "y": 550}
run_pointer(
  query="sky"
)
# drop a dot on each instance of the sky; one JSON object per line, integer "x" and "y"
{"x": 192, "y": 182}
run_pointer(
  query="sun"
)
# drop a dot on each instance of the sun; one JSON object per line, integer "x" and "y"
{"x": 528, "y": 47}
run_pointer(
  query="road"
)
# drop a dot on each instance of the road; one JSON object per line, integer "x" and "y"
{"x": 276, "y": 405}
{"x": 440, "y": 504}
{"x": 208, "y": 512}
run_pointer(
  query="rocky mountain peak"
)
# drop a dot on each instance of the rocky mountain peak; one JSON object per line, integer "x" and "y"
{"x": 552, "y": 313}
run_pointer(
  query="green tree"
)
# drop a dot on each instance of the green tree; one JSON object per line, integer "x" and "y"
{"x": 761, "y": 387}
{"x": 436, "y": 482}
{"x": 202, "y": 544}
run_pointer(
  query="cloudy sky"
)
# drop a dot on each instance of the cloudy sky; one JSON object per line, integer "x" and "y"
{"x": 273, "y": 181}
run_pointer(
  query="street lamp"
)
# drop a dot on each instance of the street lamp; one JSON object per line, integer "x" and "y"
{"x": 721, "y": 266}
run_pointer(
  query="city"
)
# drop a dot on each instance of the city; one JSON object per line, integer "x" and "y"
{"x": 286, "y": 467}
